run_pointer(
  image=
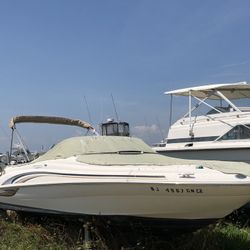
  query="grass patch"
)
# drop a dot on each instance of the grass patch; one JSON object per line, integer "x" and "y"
{"x": 219, "y": 236}
{"x": 17, "y": 236}
{"x": 43, "y": 232}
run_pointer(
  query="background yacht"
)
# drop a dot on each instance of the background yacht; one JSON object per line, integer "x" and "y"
{"x": 222, "y": 133}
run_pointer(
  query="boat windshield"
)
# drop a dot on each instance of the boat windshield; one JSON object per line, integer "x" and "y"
{"x": 112, "y": 128}
{"x": 221, "y": 109}
{"x": 237, "y": 132}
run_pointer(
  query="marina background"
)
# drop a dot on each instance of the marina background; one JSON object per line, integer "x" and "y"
{"x": 53, "y": 53}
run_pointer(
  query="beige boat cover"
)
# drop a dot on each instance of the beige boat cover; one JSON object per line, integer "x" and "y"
{"x": 229, "y": 167}
{"x": 114, "y": 150}
{"x": 105, "y": 150}
{"x": 50, "y": 120}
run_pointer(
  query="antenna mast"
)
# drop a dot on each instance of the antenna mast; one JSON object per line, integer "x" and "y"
{"x": 89, "y": 115}
{"x": 159, "y": 125}
{"x": 116, "y": 114}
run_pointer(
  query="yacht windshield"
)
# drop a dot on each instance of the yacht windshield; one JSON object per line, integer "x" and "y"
{"x": 238, "y": 132}
{"x": 221, "y": 109}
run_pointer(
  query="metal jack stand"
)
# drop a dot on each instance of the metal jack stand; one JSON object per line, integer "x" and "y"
{"x": 87, "y": 238}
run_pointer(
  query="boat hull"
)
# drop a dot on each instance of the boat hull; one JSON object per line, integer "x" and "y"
{"x": 161, "y": 201}
{"x": 220, "y": 154}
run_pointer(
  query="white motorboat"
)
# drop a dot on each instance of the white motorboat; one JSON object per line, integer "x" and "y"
{"x": 223, "y": 133}
{"x": 122, "y": 176}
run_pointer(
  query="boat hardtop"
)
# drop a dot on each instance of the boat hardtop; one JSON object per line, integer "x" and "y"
{"x": 237, "y": 90}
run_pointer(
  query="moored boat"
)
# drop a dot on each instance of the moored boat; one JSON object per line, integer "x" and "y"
{"x": 221, "y": 133}
{"x": 120, "y": 176}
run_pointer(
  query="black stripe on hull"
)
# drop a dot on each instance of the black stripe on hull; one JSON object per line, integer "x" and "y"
{"x": 15, "y": 178}
{"x": 217, "y": 154}
{"x": 192, "y": 139}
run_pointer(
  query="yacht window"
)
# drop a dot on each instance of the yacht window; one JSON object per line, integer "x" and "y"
{"x": 112, "y": 129}
{"x": 123, "y": 129}
{"x": 115, "y": 128}
{"x": 221, "y": 109}
{"x": 238, "y": 132}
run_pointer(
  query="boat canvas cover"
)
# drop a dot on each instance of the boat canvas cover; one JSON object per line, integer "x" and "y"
{"x": 228, "y": 167}
{"x": 117, "y": 150}
{"x": 49, "y": 120}
{"x": 105, "y": 150}
{"x": 230, "y": 90}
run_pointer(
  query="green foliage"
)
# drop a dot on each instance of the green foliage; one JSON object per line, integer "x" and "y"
{"x": 41, "y": 232}
{"x": 19, "y": 237}
{"x": 219, "y": 236}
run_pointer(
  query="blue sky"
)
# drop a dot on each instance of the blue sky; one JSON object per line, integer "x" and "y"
{"x": 55, "y": 52}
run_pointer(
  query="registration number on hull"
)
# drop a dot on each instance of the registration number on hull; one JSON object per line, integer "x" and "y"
{"x": 176, "y": 190}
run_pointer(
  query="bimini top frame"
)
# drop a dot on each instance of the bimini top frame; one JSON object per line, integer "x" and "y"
{"x": 46, "y": 120}
{"x": 49, "y": 120}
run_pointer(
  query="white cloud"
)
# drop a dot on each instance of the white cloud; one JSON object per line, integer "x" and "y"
{"x": 149, "y": 133}
{"x": 232, "y": 65}
{"x": 142, "y": 129}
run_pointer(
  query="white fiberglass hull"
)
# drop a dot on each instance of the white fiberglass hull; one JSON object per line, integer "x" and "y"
{"x": 164, "y": 201}
{"x": 219, "y": 154}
